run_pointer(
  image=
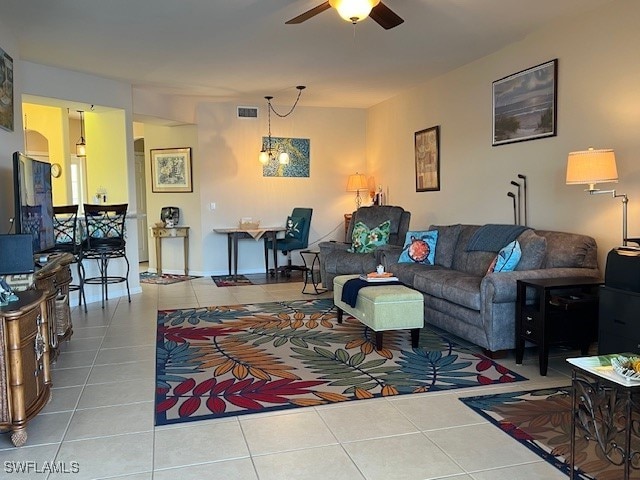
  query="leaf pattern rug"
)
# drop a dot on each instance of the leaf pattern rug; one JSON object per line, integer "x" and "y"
{"x": 231, "y": 360}
{"x": 541, "y": 421}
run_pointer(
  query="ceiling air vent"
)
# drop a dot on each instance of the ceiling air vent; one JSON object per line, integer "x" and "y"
{"x": 247, "y": 112}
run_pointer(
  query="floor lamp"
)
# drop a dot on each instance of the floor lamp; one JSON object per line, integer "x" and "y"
{"x": 589, "y": 167}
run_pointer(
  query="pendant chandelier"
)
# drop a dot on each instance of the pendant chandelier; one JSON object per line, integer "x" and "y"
{"x": 269, "y": 151}
{"x": 81, "y": 145}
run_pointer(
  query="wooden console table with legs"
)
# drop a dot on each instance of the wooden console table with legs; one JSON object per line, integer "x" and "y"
{"x": 25, "y": 379}
{"x": 171, "y": 232}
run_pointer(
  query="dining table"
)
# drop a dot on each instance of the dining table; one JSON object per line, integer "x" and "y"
{"x": 257, "y": 233}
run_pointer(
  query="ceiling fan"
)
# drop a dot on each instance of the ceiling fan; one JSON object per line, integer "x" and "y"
{"x": 354, "y": 11}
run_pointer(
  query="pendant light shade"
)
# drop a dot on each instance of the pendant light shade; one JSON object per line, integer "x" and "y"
{"x": 81, "y": 144}
{"x": 283, "y": 158}
{"x": 269, "y": 150}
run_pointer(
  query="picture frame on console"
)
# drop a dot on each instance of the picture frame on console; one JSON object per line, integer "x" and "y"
{"x": 171, "y": 170}
{"x": 427, "y": 158}
{"x": 525, "y": 104}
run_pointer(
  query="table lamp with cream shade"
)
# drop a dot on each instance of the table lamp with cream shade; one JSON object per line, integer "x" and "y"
{"x": 590, "y": 167}
{"x": 355, "y": 183}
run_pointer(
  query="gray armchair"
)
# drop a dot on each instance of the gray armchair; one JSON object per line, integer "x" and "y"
{"x": 335, "y": 259}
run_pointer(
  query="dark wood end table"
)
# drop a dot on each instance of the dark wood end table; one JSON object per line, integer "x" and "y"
{"x": 550, "y": 310}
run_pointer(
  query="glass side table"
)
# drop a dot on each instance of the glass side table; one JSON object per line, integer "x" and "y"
{"x": 605, "y": 410}
{"x": 312, "y": 271}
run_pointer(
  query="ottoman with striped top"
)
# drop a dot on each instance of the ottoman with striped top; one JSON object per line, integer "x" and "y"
{"x": 383, "y": 307}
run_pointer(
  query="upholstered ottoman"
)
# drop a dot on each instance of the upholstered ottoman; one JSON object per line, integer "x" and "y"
{"x": 383, "y": 307}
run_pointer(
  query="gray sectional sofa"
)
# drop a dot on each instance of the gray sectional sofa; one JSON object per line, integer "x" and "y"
{"x": 462, "y": 298}
{"x": 459, "y": 295}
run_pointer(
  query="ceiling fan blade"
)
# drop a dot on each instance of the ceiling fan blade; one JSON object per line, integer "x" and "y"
{"x": 310, "y": 13}
{"x": 385, "y": 17}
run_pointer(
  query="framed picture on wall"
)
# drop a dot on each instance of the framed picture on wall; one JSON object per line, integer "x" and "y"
{"x": 171, "y": 170}
{"x": 524, "y": 104}
{"x": 427, "y": 154}
{"x": 6, "y": 91}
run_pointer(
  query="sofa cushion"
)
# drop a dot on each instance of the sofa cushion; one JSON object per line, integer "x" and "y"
{"x": 406, "y": 271}
{"x": 452, "y": 285}
{"x": 376, "y": 214}
{"x": 366, "y": 240}
{"x": 534, "y": 249}
{"x": 569, "y": 250}
{"x": 463, "y": 290}
{"x": 507, "y": 258}
{"x": 419, "y": 247}
{"x": 446, "y": 245}
{"x": 342, "y": 263}
{"x": 431, "y": 280}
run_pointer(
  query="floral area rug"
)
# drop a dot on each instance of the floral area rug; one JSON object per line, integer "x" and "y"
{"x": 541, "y": 421}
{"x": 164, "y": 279}
{"x": 220, "y": 361}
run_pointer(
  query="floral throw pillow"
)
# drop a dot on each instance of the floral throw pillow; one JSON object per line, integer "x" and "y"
{"x": 294, "y": 227}
{"x": 507, "y": 258}
{"x": 366, "y": 240}
{"x": 419, "y": 247}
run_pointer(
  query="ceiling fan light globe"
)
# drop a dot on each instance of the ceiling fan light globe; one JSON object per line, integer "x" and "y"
{"x": 353, "y": 10}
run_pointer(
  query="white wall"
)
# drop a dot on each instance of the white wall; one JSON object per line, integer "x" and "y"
{"x": 598, "y": 105}
{"x": 232, "y": 176}
{"x": 226, "y": 172}
{"x": 68, "y": 86}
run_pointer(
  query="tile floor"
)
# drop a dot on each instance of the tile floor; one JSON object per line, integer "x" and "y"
{"x": 99, "y": 423}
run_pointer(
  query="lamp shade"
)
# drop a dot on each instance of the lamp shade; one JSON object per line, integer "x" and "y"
{"x": 357, "y": 182}
{"x": 353, "y": 10}
{"x": 591, "y": 167}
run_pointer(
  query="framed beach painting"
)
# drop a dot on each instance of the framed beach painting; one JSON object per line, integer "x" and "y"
{"x": 171, "y": 170}
{"x": 524, "y": 104}
{"x": 427, "y": 157}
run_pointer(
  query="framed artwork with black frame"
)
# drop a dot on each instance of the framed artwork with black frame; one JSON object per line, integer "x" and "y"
{"x": 6, "y": 91}
{"x": 427, "y": 156}
{"x": 171, "y": 170}
{"x": 525, "y": 104}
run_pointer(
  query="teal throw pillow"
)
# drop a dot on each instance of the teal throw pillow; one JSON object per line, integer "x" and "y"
{"x": 366, "y": 240}
{"x": 507, "y": 258}
{"x": 294, "y": 228}
{"x": 419, "y": 247}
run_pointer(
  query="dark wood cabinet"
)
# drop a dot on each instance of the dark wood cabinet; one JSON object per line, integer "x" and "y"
{"x": 25, "y": 379}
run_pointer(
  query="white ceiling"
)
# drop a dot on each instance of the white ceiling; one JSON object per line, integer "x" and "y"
{"x": 241, "y": 50}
